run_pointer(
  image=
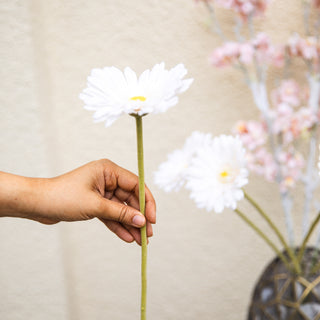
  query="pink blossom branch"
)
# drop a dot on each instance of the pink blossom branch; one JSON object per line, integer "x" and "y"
{"x": 287, "y": 64}
{"x": 217, "y": 29}
{"x": 311, "y": 179}
{"x": 260, "y": 96}
{"x": 306, "y": 16}
{"x": 237, "y": 29}
{"x": 259, "y": 74}
{"x": 317, "y": 26}
{"x": 261, "y": 99}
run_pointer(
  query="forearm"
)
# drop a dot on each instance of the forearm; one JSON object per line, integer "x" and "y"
{"x": 18, "y": 195}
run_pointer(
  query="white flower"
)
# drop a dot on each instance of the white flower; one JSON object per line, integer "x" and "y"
{"x": 172, "y": 174}
{"x": 217, "y": 174}
{"x": 111, "y": 92}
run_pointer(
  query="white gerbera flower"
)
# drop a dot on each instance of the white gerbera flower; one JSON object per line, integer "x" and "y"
{"x": 111, "y": 92}
{"x": 217, "y": 174}
{"x": 172, "y": 174}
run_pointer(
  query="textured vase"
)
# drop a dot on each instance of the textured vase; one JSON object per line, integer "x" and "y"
{"x": 281, "y": 295}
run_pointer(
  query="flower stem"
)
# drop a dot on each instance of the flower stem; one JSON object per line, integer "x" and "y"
{"x": 264, "y": 237}
{"x": 307, "y": 237}
{"x": 277, "y": 232}
{"x": 143, "y": 230}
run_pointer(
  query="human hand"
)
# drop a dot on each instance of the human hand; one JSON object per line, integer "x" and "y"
{"x": 99, "y": 189}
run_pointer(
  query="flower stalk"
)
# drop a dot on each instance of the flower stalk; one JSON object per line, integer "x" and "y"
{"x": 277, "y": 232}
{"x": 307, "y": 237}
{"x": 264, "y": 237}
{"x": 143, "y": 230}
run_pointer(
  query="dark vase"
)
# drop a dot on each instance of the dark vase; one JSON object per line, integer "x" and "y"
{"x": 281, "y": 295}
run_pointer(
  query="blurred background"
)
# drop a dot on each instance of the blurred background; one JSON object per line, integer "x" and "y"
{"x": 201, "y": 265}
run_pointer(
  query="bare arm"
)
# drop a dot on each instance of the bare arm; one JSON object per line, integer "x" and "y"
{"x": 99, "y": 189}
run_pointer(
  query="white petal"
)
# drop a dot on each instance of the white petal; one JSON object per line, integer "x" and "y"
{"x": 109, "y": 91}
{"x": 130, "y": 76}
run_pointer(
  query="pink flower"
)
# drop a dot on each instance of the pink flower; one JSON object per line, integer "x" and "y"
{"x": 262, "y": 163}
{"x": 252, "y": 133}
{"x": 266, "y": 52}
{"x": 293, "y": 44}
{"x": 276, "y": 56}
{"x": 307, "y": 48}
{"x": 281, "y": 117}
{"x": 233, "y": 52}
{"x": 305, "y": 119}
{"x": 225, "y": 55}
{"x": 291, "y": 165}
{"x": 245, "y": 8}
{"x": 246, "y": 53}
{"x": 261, "y": 41}
{"x": 291, "y": 125}
{"x": 288, "y": 92}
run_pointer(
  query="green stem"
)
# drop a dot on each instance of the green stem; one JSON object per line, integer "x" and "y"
{"x": 277, "y": 232}
{"x": 307, "y": 237}
{"x": 264, "y": 237}
{"x": 143, "y": 230}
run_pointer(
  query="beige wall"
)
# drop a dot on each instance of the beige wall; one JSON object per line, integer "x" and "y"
{"x": 201, "y": 265}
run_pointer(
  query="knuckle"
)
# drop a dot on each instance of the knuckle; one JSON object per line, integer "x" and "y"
{"x": 124, "y": 214}
{"x": 105, "y": 163}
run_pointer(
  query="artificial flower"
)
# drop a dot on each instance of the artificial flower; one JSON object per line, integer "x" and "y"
{"x": 225, "y": 55}
{"x": 252, "y": 133}
{"x": 262, "y": 163}
{"x": 233, "y": 53}
{"x": 111, "y": 92}
{"x": 288, "y": 92}
{"x": 172, "y": 174}
{"x": 245, "y": 8}
{"x": 217, "y": 174}
{"x": 307, "y": 48}
{"x": 291, "y": 164}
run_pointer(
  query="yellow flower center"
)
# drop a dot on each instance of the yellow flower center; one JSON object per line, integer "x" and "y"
{"x": 227, "y": 175}
{"x": 141, "y": 98}
{"x": 224, "y": 174}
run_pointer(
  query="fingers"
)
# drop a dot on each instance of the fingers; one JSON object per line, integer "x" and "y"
{"x": 112, "y": 210}
{"x": 127, "y": 197}
{"x": 135, "y": 232}
{"x": 126, "y": 233}
{"x": 121, "y": 204}
{"x": 132, "y": 199}
{"x": 149, "y": 229}
{"x": 119, "y": 230}
{"x": 150, "y": 206}
{"x": 129, "y": 183}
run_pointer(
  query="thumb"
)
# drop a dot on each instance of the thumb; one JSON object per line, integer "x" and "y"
{"x": 122, "y": 213}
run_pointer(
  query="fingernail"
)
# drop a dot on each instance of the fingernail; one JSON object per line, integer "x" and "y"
{"x": 138, "y": 220}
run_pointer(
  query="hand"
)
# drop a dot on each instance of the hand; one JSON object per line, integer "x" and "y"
{"x": 99, "y": 189}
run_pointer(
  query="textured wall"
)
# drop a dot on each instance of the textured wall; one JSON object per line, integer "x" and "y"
{"x": 201, "y": 265}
